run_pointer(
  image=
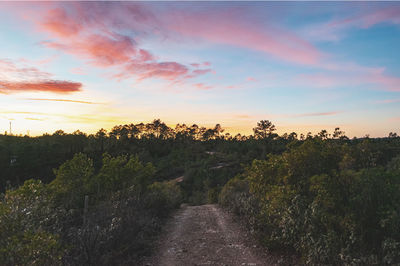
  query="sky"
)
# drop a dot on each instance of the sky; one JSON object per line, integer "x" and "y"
{"x": 305, "y": 66}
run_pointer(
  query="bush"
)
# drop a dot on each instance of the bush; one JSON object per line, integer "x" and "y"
{"x": 301, "y": 200}
{"x": 25, "y": 219}
{"x": 235, "y": 196}
{"x": 163, "y": 197}
{"x": 47, "y": 224}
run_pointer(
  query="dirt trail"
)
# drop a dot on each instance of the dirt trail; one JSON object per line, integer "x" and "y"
{"x": 206, "y": 235}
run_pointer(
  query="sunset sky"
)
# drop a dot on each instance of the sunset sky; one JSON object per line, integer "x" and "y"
{"x": 305, "y": 66}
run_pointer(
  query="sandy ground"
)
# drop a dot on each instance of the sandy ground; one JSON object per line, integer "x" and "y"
{"x": 207, "y": 235}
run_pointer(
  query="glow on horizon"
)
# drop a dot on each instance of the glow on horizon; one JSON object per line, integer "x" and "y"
{"x": 306, "y": 66}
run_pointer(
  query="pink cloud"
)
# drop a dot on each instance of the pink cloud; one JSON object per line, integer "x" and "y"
{"x": 199, "y": 72}
{"x": 197, "y": 65}
{"x": 318, "y": 114}
{"x": 145, "y": 55}
{"x": 374, "y": 77}
{"x": 10, "y": 70}
{"x": 93, "y": 31}
{"x": 106, "y": 51}
{"x": 58, "y": 22}
{"x": 54, "y": 86}
{"x": 388, "y": 101}
{"x": 364, "y": 19}
{"x": 15, "y": 78}
{"x": 201, "y": 86}
{"x": 368, "y": 18}
{"x": 101, "y": 50}
{"x": 227, "y": 27}
{"x": 110, "y": 35}
{"x": 165, "y": 70}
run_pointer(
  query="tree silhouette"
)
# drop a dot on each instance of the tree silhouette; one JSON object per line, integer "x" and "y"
{"x": 264, "y": 129}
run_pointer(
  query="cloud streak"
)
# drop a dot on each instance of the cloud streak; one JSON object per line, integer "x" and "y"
{"x": 361, "y": 18}
{"x": 14, "y": 79}
{"x": 60, "y": 100}
{"x": 10, "y": 70}
{"x": 388, "y": 101}
{"x": 54, "y": 86}
{"x": 235, "y": 26}
{"x": 374, "y": 78}
{"x": 367, "y": 19}
{"x": 81, "y": 119}
{"x": 34, "y": 119}
{"x": 317, "y": 114}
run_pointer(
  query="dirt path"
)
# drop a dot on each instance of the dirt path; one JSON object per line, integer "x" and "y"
{"x": 206, "y": 235}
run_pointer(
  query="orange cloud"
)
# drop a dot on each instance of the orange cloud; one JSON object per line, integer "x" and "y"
{"x": 60, "y": 100}
{"x": 14, "y": 78}
{"x": 54, "y": 86}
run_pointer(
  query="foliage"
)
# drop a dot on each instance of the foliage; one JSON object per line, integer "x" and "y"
{"x": 309, "y": 202}
{"x": 47, "y": 224}
{"x": 25, "y": 216}
{"x": 72, "y": 179}
{"x": 163, "y": 197}
{"x": 331, "y": 199}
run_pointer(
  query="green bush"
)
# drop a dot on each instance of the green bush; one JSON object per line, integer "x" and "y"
{"x": 302, "y": 200}
{"x": 47, "y": 225}
{"x": 25, "y": 219}
{"x": 162, "y": 197}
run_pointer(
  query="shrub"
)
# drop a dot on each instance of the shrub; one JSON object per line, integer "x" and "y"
{"x": 303, "y": 201}
{"x": 47, "y": 224}
{"x": 25, "y": 219}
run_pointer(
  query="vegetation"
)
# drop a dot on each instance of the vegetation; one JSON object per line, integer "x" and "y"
{"x": 99, "y": 199}
{"x": 47, "y": 224}
{"x": 331, "y": 201}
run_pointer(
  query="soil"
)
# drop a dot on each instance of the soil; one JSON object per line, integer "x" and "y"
{"x": 207, "y": 235}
